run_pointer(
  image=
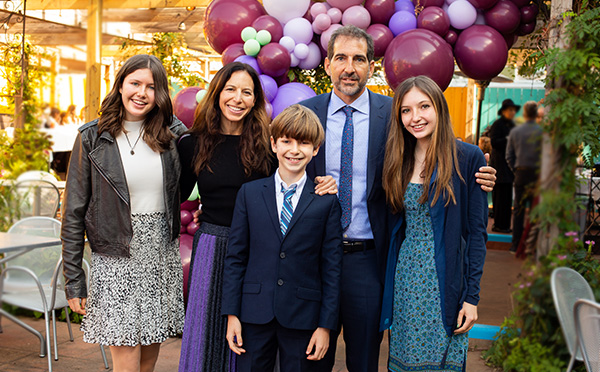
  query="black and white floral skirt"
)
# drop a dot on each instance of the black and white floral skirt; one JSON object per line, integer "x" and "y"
{"x": 137, "y": 300}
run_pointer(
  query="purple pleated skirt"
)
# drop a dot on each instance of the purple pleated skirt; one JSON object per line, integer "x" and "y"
{"x": 204, "y": 347}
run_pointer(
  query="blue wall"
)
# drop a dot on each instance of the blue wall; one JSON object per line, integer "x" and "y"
{"x": 495, "y": 96}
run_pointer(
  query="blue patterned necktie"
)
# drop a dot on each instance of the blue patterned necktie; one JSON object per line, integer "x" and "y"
{"x": 345, "y": 189}
{"x": 286, "y": 211}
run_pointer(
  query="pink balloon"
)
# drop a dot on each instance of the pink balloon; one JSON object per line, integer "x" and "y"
{"x": 274, "y": 60}
{"x": 318, "y": 8}
{"x": 343, "y": 4}
{"x": 434, "y": 19}
{"x": 314, "y": 57}
{"x": 529, "y": 13}
{"x": 270, "y": 24}
{"x": 192, "y": 227}
{"x": 382, "y": 37}
{"x": 504, "y": 17}
{"x": 462, "y": 14}
{"x": 185, "y": 251}
{"x": 483, "y": 4}
{"x": 428, "y": 3}
{"x": 326, "y": 35}
{"x": 357, "y": 16}
{"x": 402, "y": 21}
{"x": 225, "y": 20}
{"x": 418, "y": 52}
{"x": 184, "y": 105}
{"x": 451, "y": 37}
{"x": 525, "y": 29}
{"x": 481, "y": 52}
{"x": 335, "y": 14}
{"x": 322, "y": 22}
{"x": 232, "y": 52}
{"x": 190, "y": 205}
{"x": 381, "y": 10}
{"x": 299, "y": 29}
{"x": 290, "y": 94}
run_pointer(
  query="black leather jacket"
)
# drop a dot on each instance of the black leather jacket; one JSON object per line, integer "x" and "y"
{"x": 96, "y": 201}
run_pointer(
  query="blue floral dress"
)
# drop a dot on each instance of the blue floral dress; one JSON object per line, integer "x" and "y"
{"x": 418, "y": 341}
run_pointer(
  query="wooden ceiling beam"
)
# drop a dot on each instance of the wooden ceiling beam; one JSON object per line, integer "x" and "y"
{"x": 116, "y": 4}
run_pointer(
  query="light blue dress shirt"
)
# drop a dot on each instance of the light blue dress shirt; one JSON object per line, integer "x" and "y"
{"x": 360, "y": 227}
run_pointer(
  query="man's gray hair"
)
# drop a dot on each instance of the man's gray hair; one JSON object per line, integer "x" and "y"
{"x": 352, "y": 32}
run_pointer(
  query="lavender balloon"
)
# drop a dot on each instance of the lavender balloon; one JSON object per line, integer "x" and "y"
{"x": 290, "y": 94}
{"x": 380, "y": 10}
{"x": 504, "y": 17}
{"x": 299, "y": 29}
{"x": 357, "y": 16}
{"x": 249, "y": 60}
{"x": 288, "y": 43}
{"x": 313, "y": 59}
{"x": 462, "y": 14}
{"x": 285, "y": 11}
{"x": 418, "y": 52}
{"x": 434, "y": 19}
{"x": 269, "y": 86}
{"x": 481, "y": 52}
{"x": 404, "y": 5}
{"x": 382, "y": 37}
{"x": 402, "y": 21}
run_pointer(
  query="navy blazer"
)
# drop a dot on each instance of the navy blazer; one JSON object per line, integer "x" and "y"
{"x": 293, "y": 278}
{"x": 379, "y": 117}
{"x": 460, "y": 236}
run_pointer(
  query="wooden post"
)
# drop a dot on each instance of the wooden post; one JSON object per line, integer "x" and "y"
{"x": 94, "y": 57}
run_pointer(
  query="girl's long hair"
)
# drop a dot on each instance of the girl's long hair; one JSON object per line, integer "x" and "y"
{"x": 255, "y": 153}
{"x": 156, "y": 124}
{"x": 400, "y": 148}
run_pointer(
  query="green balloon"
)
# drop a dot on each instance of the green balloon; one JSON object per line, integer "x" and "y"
{"x": 194, "y": 195}
{"x": 248, "y": 33}
{"x": 251, "y": 47}
{"x": 263, "y": 37}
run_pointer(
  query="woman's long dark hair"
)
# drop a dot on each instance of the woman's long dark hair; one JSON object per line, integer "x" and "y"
{"x": 156, "y": 124}
{"x": 254, "y": 149}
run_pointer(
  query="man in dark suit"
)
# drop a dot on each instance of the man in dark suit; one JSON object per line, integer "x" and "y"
{"x": 349, "y": 63}
{"x": 281, "y": 284}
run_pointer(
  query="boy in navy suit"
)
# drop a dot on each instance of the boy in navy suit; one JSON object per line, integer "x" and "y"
{"x": 281, "y": 285}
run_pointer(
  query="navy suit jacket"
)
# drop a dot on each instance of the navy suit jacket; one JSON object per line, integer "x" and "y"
{"x": 293, "y": 278}
{"x": 379, "y": 117}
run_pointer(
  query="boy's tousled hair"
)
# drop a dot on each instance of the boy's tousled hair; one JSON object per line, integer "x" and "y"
{"x": 299, "y": 123}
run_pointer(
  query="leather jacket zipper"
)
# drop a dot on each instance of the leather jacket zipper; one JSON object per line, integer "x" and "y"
{"x": 108, "y": 181}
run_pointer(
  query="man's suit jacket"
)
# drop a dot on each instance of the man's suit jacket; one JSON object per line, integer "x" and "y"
{"x": 379, "y": 117}
{"x": 293, "y": 278}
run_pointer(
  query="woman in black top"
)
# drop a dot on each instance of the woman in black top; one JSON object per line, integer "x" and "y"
{"x": 227, "y": 146}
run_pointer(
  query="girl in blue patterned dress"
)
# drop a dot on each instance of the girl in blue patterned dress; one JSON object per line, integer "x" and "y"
{"x": 438, "y": 239}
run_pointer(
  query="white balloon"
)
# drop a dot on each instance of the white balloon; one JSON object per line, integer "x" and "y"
{"x": 301, "y": 51}
{"x": 313, "y": 59}
{"x": 286, "y": 10}
{"x": 462, "y": 14}
{"x": 295, "y": 60}
{"x": 288, "y": 43}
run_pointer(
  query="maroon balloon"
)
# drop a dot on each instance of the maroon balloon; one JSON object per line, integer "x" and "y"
{"x": 504, "y": 17}
{"x": 281, "y": 80}
{"x": 451, "y": 37}
{"x": 185, "y": 250}
{"x": 483, "y": 4}
{"x": 273, "y": 59}
{"x": 529, "y": 13}
{"x": 270, "y": 24}
{"x": 525, "y": 29}
{"x": 380, "y": 10}
{"x": 481, "y": 52}
{"x": 232, "y": 52}
{"x": 520, "y": 3}
{"x": 184, "y": 105}
{"x": 382, "y": 37}
{"x": 224, "y": 21}
{"x": 510, "y": 39}
{"x": 434, "y": 19}
{"x": 428, "y": 3}
{"x": 418, "y": 52}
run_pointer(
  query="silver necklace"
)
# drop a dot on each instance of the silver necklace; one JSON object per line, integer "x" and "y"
{"x": 129, "y": 143}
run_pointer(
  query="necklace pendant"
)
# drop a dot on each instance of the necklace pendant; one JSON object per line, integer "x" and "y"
{"x": 132, "y": 152}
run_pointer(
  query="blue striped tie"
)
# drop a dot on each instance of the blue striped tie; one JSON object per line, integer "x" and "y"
{"x": 287, "y": 210}
{"x": 345, "y": 188}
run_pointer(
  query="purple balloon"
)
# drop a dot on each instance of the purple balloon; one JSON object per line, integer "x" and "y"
{"x": 269, "y": 86}
{"x": 343, "y": 4}
{"x": 404, "y": 5}
{"x": 525, "y": 28}
{"x": 358, "y": 16}
{"x": 451, "y": 37}
{"x": 270, "y": 24}
{"x": 314, "y": 57}
{"x": 504, "y": 17}
{"x": 290, "y": 94}
{"x": 529, "y": 13}
{"x": 225, "y": 20}
{"x": 428, "y": 3}
{"x": 418, "y": 52}
{"x": 483, "y": 4}
{"x": 273, "y": 59}
{"x": 520, "y": 3}
{"x": 184, "y": 105}
{"x": 269, "y": 108}
{"x": 381, "y": 10}
{"x": 249, "y": 60}
{"x": 299, "y": 29}
{"x": 382, "y": 37}
{"x": 402, "y": 21}
{"x": 462, "y": 14}
{"x": 434, "y": 19}
{"x": 481, "y": 52}
{"x": 232, "y": 52}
